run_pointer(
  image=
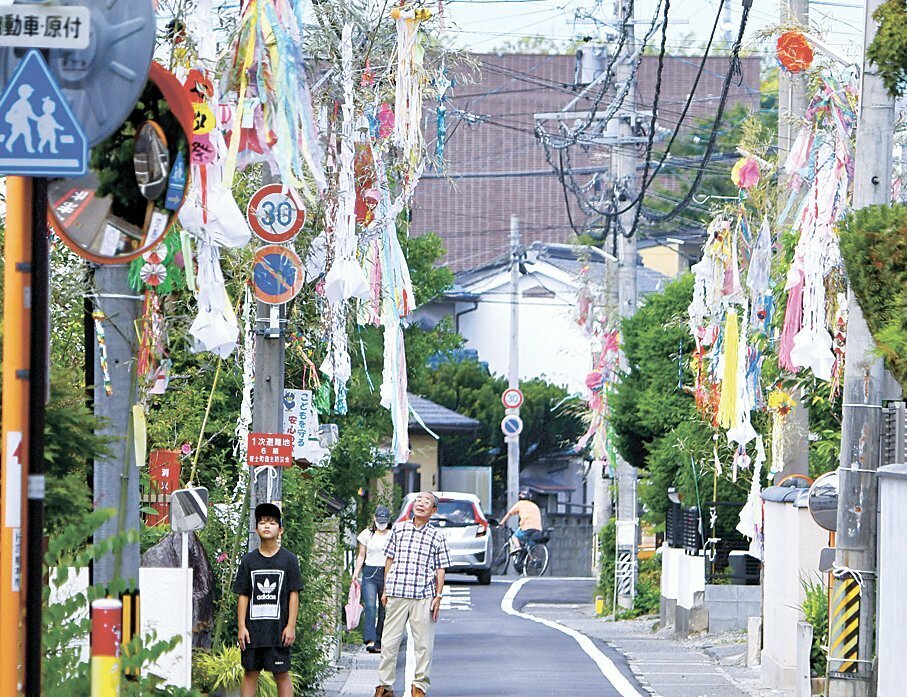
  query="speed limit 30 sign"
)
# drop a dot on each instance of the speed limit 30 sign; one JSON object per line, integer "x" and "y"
{"x": 512, "y": 398}
{"x": 274, "y": 215}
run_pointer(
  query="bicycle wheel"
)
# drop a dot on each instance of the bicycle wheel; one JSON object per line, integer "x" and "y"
{"x": 501, "y": 558}
{"x": 536, "y": 562}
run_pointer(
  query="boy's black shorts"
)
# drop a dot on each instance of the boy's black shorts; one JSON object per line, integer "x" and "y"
{"x": 275, "y": 659}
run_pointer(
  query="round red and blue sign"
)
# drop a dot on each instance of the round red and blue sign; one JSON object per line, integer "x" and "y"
{"x": 277, "y": 274}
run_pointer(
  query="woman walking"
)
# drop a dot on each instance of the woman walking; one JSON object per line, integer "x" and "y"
{"x": 370, "y": 563}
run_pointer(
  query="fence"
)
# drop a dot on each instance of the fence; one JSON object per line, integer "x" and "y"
{"x": 686, "y": 528}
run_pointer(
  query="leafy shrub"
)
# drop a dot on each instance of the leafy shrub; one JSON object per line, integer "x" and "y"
{"x": 874, "y": 246}
{"x": 67, "y": 625}
{"x": 815, "y": 611}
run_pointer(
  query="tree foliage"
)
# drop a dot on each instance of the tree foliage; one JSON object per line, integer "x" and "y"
{"x": 874, "y": 246}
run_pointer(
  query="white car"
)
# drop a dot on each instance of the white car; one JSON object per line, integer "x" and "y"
{"x": 464, "y": 526}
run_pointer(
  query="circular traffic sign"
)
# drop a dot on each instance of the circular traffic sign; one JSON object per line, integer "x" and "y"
{"x": 512, "y": 425}
{"x": 276, "y": 274}
{"x": 274, "y": 215}
{"x": 512, "y": 398}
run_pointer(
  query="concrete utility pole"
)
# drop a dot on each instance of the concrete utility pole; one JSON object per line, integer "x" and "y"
{"x": 513, "y": 368}
{"x": 267, "y": 405}
{"x": 116, "y": 476}
{"x": 623, "y": 159}
{"x": 852, "y": 605}
{"x": 792, "y": 103}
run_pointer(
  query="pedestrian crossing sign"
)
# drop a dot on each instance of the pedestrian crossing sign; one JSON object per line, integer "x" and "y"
{"x": 39, "y": 134}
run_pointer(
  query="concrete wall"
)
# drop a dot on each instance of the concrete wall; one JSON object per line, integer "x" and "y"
{"x": 729, "y": 607}
{"x": 792, "y": 545}
{"x": 892, "y": 613}
{"x": 571, "y": 545}
{"x": 682, "y": 591}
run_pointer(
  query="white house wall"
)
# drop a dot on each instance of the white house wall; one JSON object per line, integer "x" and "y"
{"x": 551, "y": 345}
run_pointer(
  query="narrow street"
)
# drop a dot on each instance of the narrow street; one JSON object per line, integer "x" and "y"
{"x": 486, "y": 646}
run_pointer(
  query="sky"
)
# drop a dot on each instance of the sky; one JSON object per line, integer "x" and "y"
{"x": 486, "y": 25}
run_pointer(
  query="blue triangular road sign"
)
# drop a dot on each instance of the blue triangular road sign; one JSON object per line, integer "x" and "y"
{"x": 39, "y": 134}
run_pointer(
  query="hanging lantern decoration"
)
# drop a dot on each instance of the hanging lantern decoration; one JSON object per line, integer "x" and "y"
{"x": 745, "y": 173}
{"x": 794, "y": 52}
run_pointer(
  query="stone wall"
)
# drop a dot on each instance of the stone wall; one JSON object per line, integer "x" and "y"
{"x": 571, "y": 546}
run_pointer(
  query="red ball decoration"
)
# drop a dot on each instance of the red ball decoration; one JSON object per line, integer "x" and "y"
{"x": 794, "y": 52}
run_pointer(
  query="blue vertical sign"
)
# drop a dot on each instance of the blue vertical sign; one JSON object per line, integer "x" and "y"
{"x": 39, "y": 134}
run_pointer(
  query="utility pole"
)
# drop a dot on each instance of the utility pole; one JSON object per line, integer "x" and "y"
{"x": 267, "y": 405}
{"x": 852, "y": 605}
{"x": 792, "y": 103}
{"x": 513, "y": 368}
{"x": 623, "y": 159}
{"x": 116, "y": 475}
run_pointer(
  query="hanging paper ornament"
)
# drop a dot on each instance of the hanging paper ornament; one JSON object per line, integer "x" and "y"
{"x": 794, "y": 52}
{"x": 386, "y": 120}
{"x": 269, "y": 66}
{"x": 345, "y": 279}
{"x": 153, "y": 274}
{"x": 99, "y": 318}
{"x": 727, "y": 407}
{"x": 745, "y": 173}
{"x": 161, "y": 268}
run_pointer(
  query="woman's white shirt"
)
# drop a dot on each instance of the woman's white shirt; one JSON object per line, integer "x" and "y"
{"x": 374, "y": 546}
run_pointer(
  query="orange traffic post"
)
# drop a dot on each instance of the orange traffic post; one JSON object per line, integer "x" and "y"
{"x": 16, "y": 356}
{"x": 106, "y": 634}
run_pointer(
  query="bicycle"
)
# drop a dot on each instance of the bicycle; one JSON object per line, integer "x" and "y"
{"x": 529, "y": 558}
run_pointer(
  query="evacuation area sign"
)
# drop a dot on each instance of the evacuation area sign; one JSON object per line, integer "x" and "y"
{"x": 269, "y": 450}
{"x": 39, "y": 134}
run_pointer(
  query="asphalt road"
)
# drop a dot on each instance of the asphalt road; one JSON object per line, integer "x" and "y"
{"x": 481, "y": 650}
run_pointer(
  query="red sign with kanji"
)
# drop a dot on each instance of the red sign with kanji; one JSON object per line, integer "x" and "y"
{"x": 164, "y": 472}
{"x": 270, "y": 450}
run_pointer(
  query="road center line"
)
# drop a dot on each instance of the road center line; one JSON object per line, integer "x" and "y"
{"x": 605, "y": 664}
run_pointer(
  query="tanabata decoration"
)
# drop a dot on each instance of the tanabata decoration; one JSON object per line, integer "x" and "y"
{"x": 272, "y": 97}
{"x": 409, "y": 94}
{"x": 161, "y": 268}
{"x": 215, "y": 329}
{"x": 101, "y": 338}
{"x": 794, "y": 52}
{"x": 819, "y": 173}
{"x": 745, "y": 173}
{"x": 345, "y": 279}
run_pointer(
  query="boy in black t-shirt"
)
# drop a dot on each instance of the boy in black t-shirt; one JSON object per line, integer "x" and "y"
{"x": 268, "y": 584}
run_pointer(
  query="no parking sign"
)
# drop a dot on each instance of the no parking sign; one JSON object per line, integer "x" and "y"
{"x": 276, "y": 274}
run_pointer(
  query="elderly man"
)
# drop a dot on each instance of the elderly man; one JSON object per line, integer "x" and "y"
{"x": 417, "y": 555}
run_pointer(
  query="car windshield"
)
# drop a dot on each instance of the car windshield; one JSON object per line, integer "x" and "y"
{"x": 453, "y": 513}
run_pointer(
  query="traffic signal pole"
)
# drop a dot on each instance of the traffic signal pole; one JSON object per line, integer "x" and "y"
{"x": 15, "y": 392}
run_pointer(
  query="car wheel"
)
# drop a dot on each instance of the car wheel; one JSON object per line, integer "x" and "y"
{"x": 484, "y": 577}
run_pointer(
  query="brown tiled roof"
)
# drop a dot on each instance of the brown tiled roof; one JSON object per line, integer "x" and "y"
{"x": 498, "y": 167}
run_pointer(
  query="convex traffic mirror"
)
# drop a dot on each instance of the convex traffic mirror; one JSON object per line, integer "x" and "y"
{"x": 189, "y": 509}
{"x": 823, "y": 501}
{"x": 129, "y": 199}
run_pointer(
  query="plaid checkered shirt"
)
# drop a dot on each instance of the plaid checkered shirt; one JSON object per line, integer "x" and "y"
{"x": 417, "y": 553}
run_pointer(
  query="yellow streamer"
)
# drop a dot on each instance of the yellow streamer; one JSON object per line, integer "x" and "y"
{"x": 727, "y": 407}
{"x": 235, "y": 137}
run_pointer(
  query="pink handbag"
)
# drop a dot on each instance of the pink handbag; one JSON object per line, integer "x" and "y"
{"x": 353, "y": 606}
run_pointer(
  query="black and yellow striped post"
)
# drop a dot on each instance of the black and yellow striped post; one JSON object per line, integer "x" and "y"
{"x": 844, "y": 627}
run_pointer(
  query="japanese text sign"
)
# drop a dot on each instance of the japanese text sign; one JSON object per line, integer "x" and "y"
{"x": 270, "y": 450}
